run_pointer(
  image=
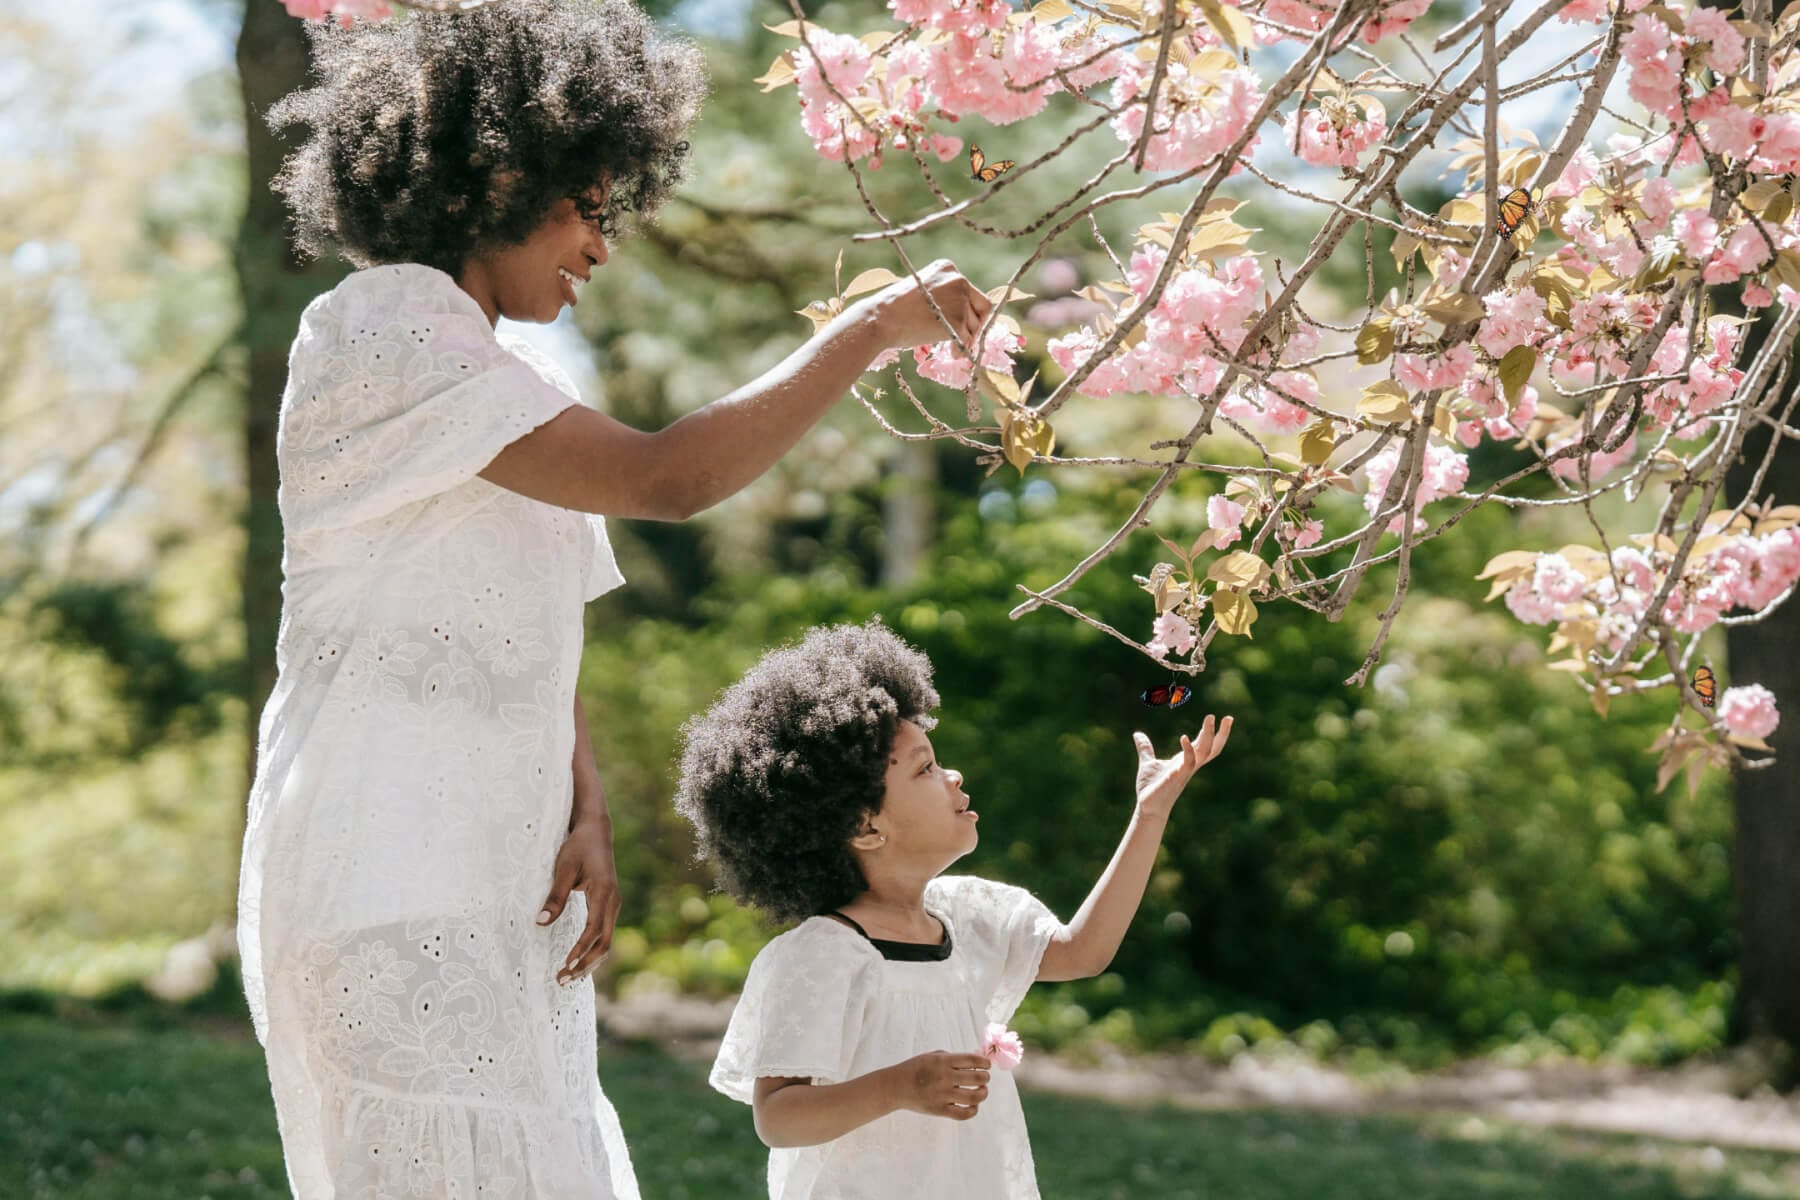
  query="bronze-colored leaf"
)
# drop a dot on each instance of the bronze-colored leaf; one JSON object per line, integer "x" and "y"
{"x": 1235, "y": 611}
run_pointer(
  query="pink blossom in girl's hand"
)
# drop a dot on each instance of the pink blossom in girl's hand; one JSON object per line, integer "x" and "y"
{"x": 1002, "y": 1046}
{"x": 1749, "y": 710}
{"x": 1225, "y": 518}
{"x": 1172, "y": 632}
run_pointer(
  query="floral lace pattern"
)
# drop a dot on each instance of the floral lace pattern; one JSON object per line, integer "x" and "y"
{"x": 821, "y": 1002}
{"x": 413, "y": 778}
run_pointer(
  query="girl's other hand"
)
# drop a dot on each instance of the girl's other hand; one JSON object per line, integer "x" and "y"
{"x": 942, "y": 1084}
{"x": 1160, "y": 780}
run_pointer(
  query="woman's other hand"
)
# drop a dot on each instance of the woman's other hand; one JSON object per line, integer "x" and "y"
{"x": 905, "y": 317}
{"x": 585, "y": 864}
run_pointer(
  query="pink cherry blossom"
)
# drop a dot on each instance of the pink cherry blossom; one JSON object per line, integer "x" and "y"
{"x": 1002, "y": 1046}
{"x": 1525, "y": 603}
{"x": 1444, "y": 473}
{"x": 1712, "y": 28}
{"x": 941, "y": 362}
{"x": 1225, "y": 518}
{"x": 1556, "y": 580}
{"x": 1749, "y": 710}
{"x": 1172, "y": 633}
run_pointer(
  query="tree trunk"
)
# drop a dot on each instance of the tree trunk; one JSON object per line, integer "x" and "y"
{"x": 909, "y": 513}
{"x": 1766, "y": 804}
{"x": 273, "y": 59}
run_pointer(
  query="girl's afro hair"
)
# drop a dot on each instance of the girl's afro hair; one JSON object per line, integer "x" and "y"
{"x": 781, "y": 772}
{"x": 443, "y": 134}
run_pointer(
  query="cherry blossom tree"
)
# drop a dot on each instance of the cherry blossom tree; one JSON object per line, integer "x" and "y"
{"x": 1574, "y": 300}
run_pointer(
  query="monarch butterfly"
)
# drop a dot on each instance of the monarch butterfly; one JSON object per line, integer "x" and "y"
{"x": 1172, "y": 695}
{"x": 986, "y": 174}
{"x": 1706, "y": 685}
{"x": 1515, "y": 206}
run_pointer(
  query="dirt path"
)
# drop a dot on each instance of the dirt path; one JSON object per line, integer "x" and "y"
{"x": 1718, "y": 1104}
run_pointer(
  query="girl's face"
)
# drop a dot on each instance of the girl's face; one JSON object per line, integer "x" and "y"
{"x": 924, "y": 812}
{"x": 535, "y": 279}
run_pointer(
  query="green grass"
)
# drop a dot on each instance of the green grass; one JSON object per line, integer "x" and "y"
{"x": 98, "y": 1106}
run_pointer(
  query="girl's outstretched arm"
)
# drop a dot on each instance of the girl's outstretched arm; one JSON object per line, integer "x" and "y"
{"x": 1087, "y": 944}
{"x": 799, "y": 1112}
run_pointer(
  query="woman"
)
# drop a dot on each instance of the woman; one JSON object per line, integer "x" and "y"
{"x": 425, "y": 775}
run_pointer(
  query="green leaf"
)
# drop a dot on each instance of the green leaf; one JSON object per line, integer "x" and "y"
{"x": 1515, "y": 371}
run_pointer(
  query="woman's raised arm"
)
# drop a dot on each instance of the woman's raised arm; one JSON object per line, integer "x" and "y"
{"x": 584, "y": 460}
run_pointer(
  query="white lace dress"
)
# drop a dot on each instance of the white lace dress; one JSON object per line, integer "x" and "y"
{"x": 413, "y": 781}
{"x": 822, "y": 1001}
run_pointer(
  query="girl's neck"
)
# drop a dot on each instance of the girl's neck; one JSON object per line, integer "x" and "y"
{"x": 895, "y": 913}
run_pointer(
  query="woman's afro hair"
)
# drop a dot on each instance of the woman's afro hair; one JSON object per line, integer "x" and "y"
{"x": 782, "y": 771}
{"x": 443, "y": 134}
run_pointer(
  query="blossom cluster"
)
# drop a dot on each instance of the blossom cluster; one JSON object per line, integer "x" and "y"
{"x": 347, "y": 12}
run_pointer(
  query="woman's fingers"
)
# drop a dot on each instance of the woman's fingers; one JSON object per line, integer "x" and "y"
{"x": 594, "y": 942}
{"x": 561, "y": 882}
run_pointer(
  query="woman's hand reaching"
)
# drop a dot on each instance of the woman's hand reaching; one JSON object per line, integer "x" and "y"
{"x": 905, "y": 318}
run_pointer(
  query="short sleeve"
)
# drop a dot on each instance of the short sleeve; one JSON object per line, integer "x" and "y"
{"x": 801, "y": 1012}
{"x": 1005, "y": 929}
{"x": 397, "y": 390}
{"x": 603, "y": 569}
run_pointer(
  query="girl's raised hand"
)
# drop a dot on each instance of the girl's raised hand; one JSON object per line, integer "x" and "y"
{"x": 1160, "y": 780}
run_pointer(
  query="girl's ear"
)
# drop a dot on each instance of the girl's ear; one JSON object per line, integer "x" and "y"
{"x": 869, "y": 840}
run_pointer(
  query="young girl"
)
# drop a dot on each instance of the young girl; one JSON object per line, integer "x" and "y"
{"x": 813, "y": 786}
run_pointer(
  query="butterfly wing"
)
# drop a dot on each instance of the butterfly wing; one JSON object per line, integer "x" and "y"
{"x": 1706, "y": 685}
{"x": 976, "y": 159}
{"x": 1514, "y": 208}
{"x": 1156, "y": 696}
{"x": 1179, "y": 694}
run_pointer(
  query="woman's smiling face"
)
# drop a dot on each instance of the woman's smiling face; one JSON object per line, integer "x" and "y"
{"x": 924, "y": 812}
{"x": 534, "y": 280}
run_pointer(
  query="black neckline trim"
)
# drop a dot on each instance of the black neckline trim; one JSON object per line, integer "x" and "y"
{"x": 904, "y": 951}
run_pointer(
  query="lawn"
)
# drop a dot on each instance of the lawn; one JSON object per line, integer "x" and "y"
{"x": 95, "y": 1106}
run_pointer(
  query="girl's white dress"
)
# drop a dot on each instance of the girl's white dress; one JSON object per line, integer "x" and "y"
{"x": 413, "y": 778}
{"x": 821, "y": 1001}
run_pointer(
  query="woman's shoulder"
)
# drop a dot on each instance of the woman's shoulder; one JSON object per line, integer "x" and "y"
{"x": 367, "y": 304}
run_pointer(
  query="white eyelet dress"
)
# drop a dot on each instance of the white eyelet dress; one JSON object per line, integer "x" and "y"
{"x": 822, "y": 1001}
{"x": 413, "y": 778}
